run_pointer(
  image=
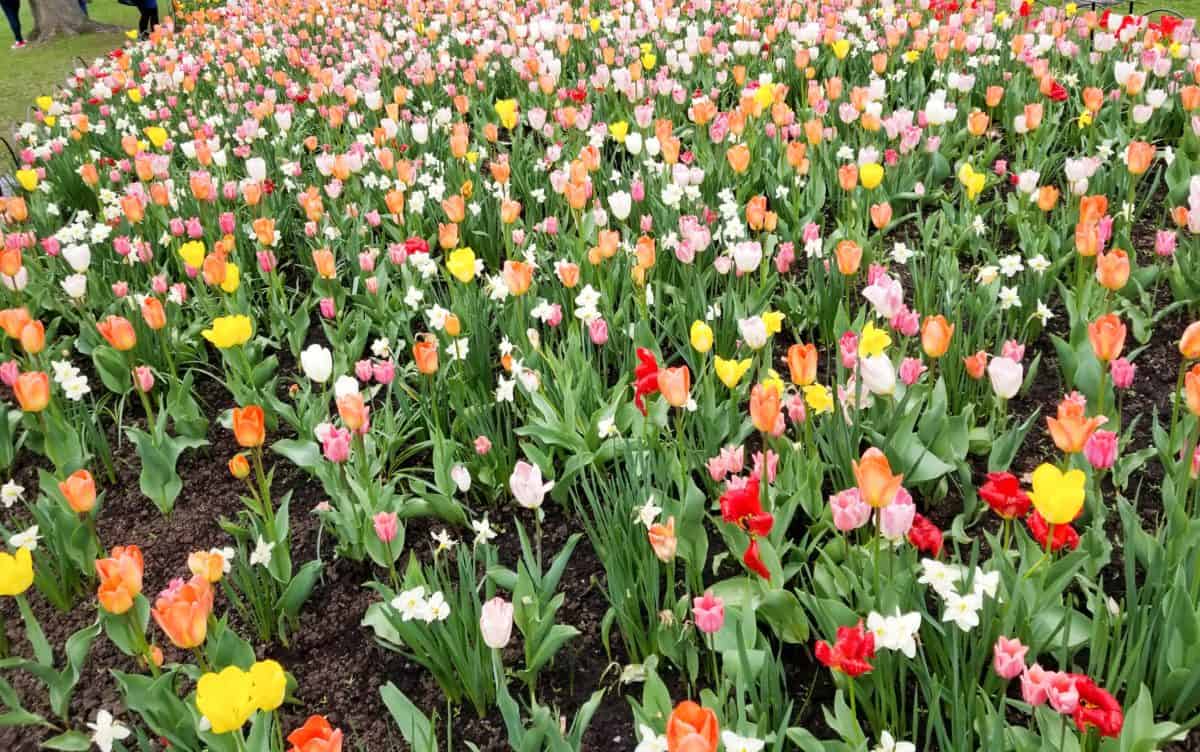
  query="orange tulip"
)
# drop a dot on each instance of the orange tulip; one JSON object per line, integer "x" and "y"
{"x": 936, "y": 333}
{"x": 425, "y": 353}
{"x": 1189, "y": 97}
{"x": 447, "y": 235}
{"x": 738, "y": 158}
{"x": 1189, "y": 343}
{"x": 764, "y": 407}
{"x": 568, "y": 274}
{"x": 976, "y": 365}
{"x": 324, "y": 262}
{"x": 79, "y": 489}
{"x": 510, "y": 211}
{"x": 1087, "y": 239}
{"x": 802, "y": 363}
{"x": 994, "y": 94}
{"x": 1071, "y": 429}
{"x": 1191, "y": 389}
{"x": 1092, "y": 208}
{"x": 13, "y": 321}
{"x": 10, "y": 262}
{"x": 120, "y": 579}
{"x": 455, "y": 208}
{"x": 32, "y": 390}
{"x": 1112, "y": 269}
{"x": 207, "y": 564}
{"x": 881, "y": 215}
{"x": 119, "y": 332}
{"x": 353, "y": 411}
{"x": 33, "y": 337}
{"x": 1047, "y": 198}
{"x": 692, "y": 728}
{"x": 977, "y": 123}
{"x": 249, "y": 426}
{"x": 849, "y": 257}
{"x": 1093, "y": 99}
{"x": 182, "y": 611}
{"x": 518, "y": 276}
{"x": 1107, "y": 335}
{"x": 153, "y": 313}
{"x": 239, "y": 466}
{"x": 662, "y": 539}
{"x": 876, "y": 482}
{"x": 848, "y": 176}
{"x": 756, "y": 212}
{"x": 675, "y": 384}
{"x": 1138, "y": 157}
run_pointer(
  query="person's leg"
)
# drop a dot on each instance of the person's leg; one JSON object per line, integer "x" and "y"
{"x": 83, "y": 6}
{"x": 143, "y": 20}
{"x": 153, "y": 6}
{"x": 12, "y": 10}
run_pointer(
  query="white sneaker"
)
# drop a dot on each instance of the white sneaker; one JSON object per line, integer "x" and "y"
{"x": 18, "y": 45}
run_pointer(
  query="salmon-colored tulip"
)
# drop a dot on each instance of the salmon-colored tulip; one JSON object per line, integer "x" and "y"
{"x": 353, "y": 411}
{"x": 1087, "y": 239}
{"x": 118, "y": 332}
{"x": 662, "y": 539}
{"x": 79, "y": 489}
{"x": 1191, "y": 389}
{"x": 849, "y": 257}
{"x": 518, "y": 276}
{"x": 1138, "y": 157}
{"x": 207, "y": 564}
{"x": 1092, "y": 208}
{"x": 976, "y": 365}
{"x": 33, "y": 337}
{"x": 802, "y": 363}
{"x": 120, "y": 579}
{"x": 675, "y": 384}
{"x": 881, "y": 215}
{"x": 325, "y": 263}
{"x": 1189, "y": 343}
{"x": 182, "y": 611}
{"x": 764, "y": 407}
{"x": 738, "y": 158}
{"x": 249, "y": 426}
{"x": 848, "y": 176}
{"x": 936, "y": 334}
{"x": 692, "y": 728}
{"x": 876, "y": 481}
{"x": 1107, "y": 335}
{"x": 32, "y": 390}
{"x": 1112, "y": 269}
{"x": 1047, "y": 198}
{"x": 1071, "y": 428}
{"x": 13, "y": 321}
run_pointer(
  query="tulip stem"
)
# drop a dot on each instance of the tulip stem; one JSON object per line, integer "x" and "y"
{"x": 3, "y": 635}
{"x": 1175, "y": 402}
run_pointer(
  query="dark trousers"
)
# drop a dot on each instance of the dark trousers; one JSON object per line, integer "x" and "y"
{"x": 148, "y": 19}
{"x": 12, "y": 10}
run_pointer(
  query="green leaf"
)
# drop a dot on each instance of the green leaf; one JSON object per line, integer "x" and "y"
{"x": 414, "y": 725}
{"x": 158, "y": 480}
{"x": 113, "y": 368}
{"x": 300, "y": 588}
{"x": 70, "y": 741}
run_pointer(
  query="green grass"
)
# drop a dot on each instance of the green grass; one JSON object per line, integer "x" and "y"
{"x": 38, "y": 69}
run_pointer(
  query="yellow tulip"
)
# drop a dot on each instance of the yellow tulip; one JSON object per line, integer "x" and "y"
{"x": 157, "y": 135}
{"x": 1056, "y": 495}
{"x": 193, "y": 254}
{"x": 730, "y": 372}
{"x": 764, "y": 95}
{"x": 28, "y": 179}
{"x": 16, "y": 572}
{"x": 819, "y": 398}
{"x": 619, "y": 130}
{"x": 226, "y": 699}
{"x": 270, "y": 684}
{"x": 461, "y": 263}
{"x": 229, "y": 331}
{"x": 841, "y": 48}
{"x": 135, "y": 95}
{"x": 773, "y": 381}
{"x": 44, "y": 103}
{"x": 873, "y": 341}
{"x": 973, "y": 181}
{"x": 507, "y": 110}
{"x": 701, "y": 336}
{"x": 649, "y": 60}
{"x": 870, "y": 175}
{"x": 232, "y": 277}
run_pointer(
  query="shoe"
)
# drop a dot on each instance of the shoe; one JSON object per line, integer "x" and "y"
{"x": 18, "y": 45}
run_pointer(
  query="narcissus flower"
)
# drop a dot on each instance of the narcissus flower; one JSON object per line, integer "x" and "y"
{"x": 873, "y": 342}
{"x": 1056, "y": 495}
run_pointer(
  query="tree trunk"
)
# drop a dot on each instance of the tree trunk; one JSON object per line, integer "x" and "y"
{"x": 53, "y": 18}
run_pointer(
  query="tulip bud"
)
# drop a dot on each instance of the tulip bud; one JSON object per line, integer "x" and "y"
{"x": 495, "y": 622}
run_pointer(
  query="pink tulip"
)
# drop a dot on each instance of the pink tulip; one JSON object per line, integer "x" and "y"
{"x": 483, "y": 445}
{"x": 1035, "y": 684}
{"x": 496, "y": 622}
{"x": 598, "y": 331}
{"x": 1122, "y": 372}
{"x": 1061, "y": 692}
{"x": 1008, "y": 657}
{"x": 850, "y": 512}
{"x": 709, "y": 612}
{"x": 911, "y": 370}
{"x": 143, "y": 378}
{"x": 1101, "y": 449}
{"x": 386, "y": 526}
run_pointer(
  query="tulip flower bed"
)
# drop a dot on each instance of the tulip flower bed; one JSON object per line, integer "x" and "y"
{"x": 685, "y": 376}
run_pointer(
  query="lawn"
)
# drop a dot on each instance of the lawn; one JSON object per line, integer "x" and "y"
{"x": 36, "y": 69}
